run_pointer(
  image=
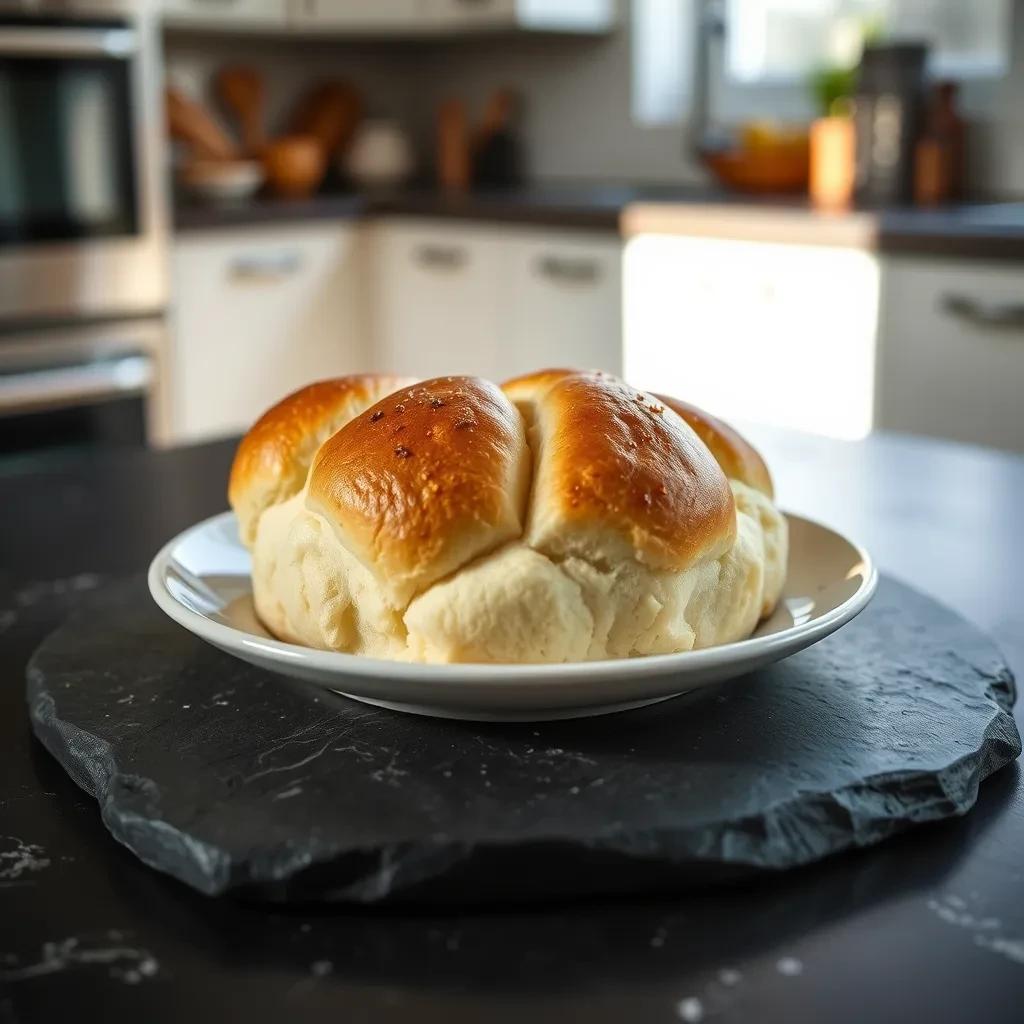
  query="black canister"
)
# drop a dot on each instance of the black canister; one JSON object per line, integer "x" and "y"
{"x": 889, "y": 109}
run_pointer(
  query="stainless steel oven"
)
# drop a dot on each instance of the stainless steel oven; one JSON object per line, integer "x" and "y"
{"x": 83, "y": 278}
{"x": 82, "y": 221}
{"x": 89, "y": 385}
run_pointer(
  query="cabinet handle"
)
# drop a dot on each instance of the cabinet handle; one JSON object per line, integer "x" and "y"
{"x": 1008, "y": 314}
{"x": 569, "y": 271}
{"x": 265, "y": 268}
{"x": 441, "y": 257}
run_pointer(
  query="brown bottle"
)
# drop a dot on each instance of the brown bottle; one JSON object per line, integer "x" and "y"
{"x": 939, "y": 155}
{"x": 948, "y": 125}
{"x": 453, "y": 146}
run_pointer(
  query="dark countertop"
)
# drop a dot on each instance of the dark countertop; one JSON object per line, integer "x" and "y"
{"x": 975, "y": 230}
{"x": 585, "y": 206}
{"x": 929, "y": 926}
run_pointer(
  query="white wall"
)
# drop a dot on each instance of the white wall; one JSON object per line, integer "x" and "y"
{"x": 579, "y": 122}
{"x": 996, "y": 113}
{"x": 577, "y": 91}
{"x": 291, "y": 65}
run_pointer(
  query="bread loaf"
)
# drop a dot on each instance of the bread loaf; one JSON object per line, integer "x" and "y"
{"x": 561, "y": 517}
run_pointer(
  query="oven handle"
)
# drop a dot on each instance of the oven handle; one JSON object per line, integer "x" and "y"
{"x": 75, "y": 385}
{"x": 16, "y": 41}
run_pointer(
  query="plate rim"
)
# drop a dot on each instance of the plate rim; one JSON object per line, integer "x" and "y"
{"x": 344, "y": 665}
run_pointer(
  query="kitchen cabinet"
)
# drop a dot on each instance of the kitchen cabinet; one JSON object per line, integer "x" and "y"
{"x": 395, "y": 17}
{"x": 437, "y": 299}
{"x": 237, "y": 14}
{"x": 494, "y": 301}
{"x": 538, "y": 15}
{"x": 783, "y": 334}
{"x": 375, "y": 16}
{"x": 258, "y": 313}
{"x": 564, "y": 302}
{"x": 951, "y": 350}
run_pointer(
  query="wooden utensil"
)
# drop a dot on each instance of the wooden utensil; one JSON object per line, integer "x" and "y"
{"x": 243, "y": 91}
{"x": 331, "y": 112}
{"x": 453, "y": 146}
{"x": 192, "y": 123}
{"x": 295, "y": 165}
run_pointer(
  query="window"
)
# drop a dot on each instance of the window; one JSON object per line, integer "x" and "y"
{"x": 771, "y": 46}
{"x": 662, "y": 59}
{"x": 787, "y": 39}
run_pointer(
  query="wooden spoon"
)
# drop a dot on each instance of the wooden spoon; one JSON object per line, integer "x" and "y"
{"x": 192, "y": 123}
{"x": 331, "y": 112}
{"x": 243, "y": 92}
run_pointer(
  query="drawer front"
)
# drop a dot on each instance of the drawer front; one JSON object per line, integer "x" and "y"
{"x": 951, "y": 360}
{"x": 257, "y": 315}
{"x": 439, "y": 300}
{"x": 566, "y": 304}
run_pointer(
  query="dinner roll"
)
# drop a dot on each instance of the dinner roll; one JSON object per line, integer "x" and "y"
{"x": 275, "y": 455}
{"x": 618, "y": 475}
{"x": 424, "y": 481}
{"x": 562, "y": 517}
{"x": 752, "y": 487}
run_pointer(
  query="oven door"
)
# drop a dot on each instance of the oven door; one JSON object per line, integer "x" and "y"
{"x": 79, "y": 223}
{"x": 79, "y": 387}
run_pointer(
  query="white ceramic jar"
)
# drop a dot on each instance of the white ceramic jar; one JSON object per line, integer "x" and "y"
{"x": 380, "y": 156}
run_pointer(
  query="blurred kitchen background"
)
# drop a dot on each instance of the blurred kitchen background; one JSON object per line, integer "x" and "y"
{"x": 801, "y": 213}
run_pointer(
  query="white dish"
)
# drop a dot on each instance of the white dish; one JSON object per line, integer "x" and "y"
{"x": 222, "y": 181}
{"x": 201, "y": 580}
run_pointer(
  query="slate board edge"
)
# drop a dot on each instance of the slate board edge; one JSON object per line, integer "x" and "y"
{"x": 210, "y": 870}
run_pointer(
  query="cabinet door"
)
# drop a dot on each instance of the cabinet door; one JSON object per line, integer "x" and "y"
{"x": 235, "y": 13}
{"x": 564, "y": 303}
{"x": 256, "y": 315}
{"x": 756, "y": 331}
{"x": 951, "y": 362}
{"x": 439, "y": 299}
{"x": 358, "y": 15}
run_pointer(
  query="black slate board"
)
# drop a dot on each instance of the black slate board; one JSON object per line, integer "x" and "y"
{"x": 236, "y": 780}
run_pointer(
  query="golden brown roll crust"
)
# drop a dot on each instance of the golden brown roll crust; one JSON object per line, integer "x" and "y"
{"x": 427, "y": 479}
{"x": 416, "y": 533}
{"x": 530, "y": 386}
{"x": 739, "y": 461}
{"x": 273, "y": 458}
{"x": 617, "y": 474}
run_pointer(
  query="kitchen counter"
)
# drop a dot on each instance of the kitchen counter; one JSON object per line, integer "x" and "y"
{"x": 556, "y": 206}
{"x": 982, "y": 231}
{"x": 979, "y": 231}
{"x": 927, "y": 926}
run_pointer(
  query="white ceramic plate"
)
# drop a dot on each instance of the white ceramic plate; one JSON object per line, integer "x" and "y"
{"x": 201, "y": 580}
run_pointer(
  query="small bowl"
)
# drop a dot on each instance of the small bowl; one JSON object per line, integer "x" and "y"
{"x": 295, "y": 165}
{"x": 222, "y": 181}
